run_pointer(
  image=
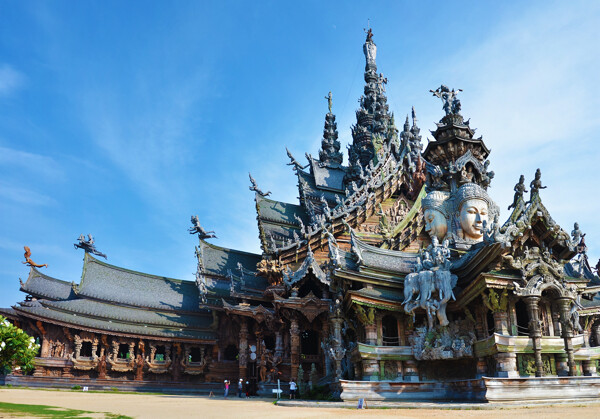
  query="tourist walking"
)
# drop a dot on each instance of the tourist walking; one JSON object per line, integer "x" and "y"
{"x": 240, "y": 387}
{"x": 292, "y": 389}
{"x": 226, "y": 388}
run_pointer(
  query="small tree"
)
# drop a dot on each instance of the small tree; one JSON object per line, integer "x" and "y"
{"x": 17, "y": 349}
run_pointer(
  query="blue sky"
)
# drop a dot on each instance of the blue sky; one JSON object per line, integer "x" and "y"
{"x": 122, "y": 120}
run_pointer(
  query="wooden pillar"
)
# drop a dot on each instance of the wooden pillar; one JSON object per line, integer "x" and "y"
{"x": 501, "y": 322}
{"x": 243, "y": 349}
{"x": 535, "y": 332}
{"x": 564, "y": 305}
{"x": 337, "y": 339}
{"x": 371, "y": 334}
{"x": 506, "y": 365}
{"x": 589, "y": 368}
{"x": 556, "y": 323}
{"x": 596, "y": 333}
{"x": 481, "y": 367}
{"x": 295, "y": 347}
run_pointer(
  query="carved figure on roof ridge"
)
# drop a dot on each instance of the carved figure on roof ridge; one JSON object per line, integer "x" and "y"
{"x": 88, "y": 245}
{"x": 196, "y": 228}
{"x": 30, "y": 262}
{"x": 577, "y": 234}
{"x": 293, "y": 162}
{"x": 536, "y": 185}
{"x": 254, "y": 187}
{"x": 520, "y": 188}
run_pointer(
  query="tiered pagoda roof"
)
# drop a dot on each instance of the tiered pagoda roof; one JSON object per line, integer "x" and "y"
{"x": 114, "y": 300}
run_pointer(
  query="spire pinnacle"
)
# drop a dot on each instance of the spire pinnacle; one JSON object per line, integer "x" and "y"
{"x": 330, "y": 154}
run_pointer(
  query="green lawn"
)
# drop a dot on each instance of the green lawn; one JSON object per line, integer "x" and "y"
{"x": 41, "y": 411}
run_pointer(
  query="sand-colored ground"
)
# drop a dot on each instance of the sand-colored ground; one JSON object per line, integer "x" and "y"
{"x": 168, "y": 406}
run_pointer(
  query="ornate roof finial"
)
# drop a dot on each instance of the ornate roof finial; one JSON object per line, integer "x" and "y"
{"x": 254, "y": 187}
{"x": 330, "y": 154}
{"x": 293, "y": 162}
{"x": 329, "y": 100}
{"x": 88, "y": 245}
{"x": 449, "y": 99}
{"x": 370, "y": 49}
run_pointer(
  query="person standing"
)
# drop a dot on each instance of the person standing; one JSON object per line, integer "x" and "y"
{"x": 226, "y": 388}
{"x": 240, "y": 387}
{"x": 292, "y": 389}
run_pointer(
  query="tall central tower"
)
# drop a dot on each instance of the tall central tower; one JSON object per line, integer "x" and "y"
{"x": 374, "y": 126}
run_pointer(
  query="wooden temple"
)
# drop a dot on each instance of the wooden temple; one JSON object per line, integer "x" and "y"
{"x": 393, "y": 277}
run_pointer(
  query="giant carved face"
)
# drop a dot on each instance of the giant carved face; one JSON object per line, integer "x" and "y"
{"x": 435, "y": 223}
{"x": 472, "y": 214}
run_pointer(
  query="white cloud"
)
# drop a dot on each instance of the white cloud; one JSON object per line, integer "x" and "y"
{"x": 10, "y": 80}
{"x": 44, "y": 166}
{"x": 24, "y": 196}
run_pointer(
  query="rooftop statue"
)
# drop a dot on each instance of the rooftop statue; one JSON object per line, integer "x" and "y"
{"x": 196, "y": 228}
{"x": 519, "y": 190}
{"x": 88, "y": 245}
{"x": 435, "y": 214}
{"x": 293, "y": 162}
{"x": 536, "y": 185}
{"x": 255, "y": 187}
{"x": 329, "y": 101}
{"x": 449, "y": 98}
{"x": 369, "y": 49}
{"x": 30, "y": 262}
{"x": 576, "y": 234}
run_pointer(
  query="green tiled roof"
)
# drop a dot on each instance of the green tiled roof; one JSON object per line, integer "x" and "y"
{"x": 113, "y": 312}
{"x": 280, "y": 212}
{"x": 44, "y": 286}
{"x": 109, "y": 283}
{"x": 218, "y": 260}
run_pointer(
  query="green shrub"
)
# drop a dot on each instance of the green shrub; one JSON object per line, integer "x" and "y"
{"x": 17, "y": 349}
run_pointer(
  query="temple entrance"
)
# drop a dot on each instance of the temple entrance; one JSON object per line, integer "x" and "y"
{"x": 389, "y": 325}
{"x": 522, "y": 318}
{"x": 309, "y": 343}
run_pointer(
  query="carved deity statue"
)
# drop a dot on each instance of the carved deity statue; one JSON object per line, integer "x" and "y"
{"x": 473, "y": 208}
{"x": 536, "y": 185}
{"x": 435, "y": 214}
{"x": 519, "y": 190}
{"x": 576, "y": 234}
{"x": 369, "y": 48}
{"x": 329, "y": 101}
{"x": 449, "y": 98}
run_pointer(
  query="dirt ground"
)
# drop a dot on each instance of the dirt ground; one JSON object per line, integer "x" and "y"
{"x": 171, "y": 406}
